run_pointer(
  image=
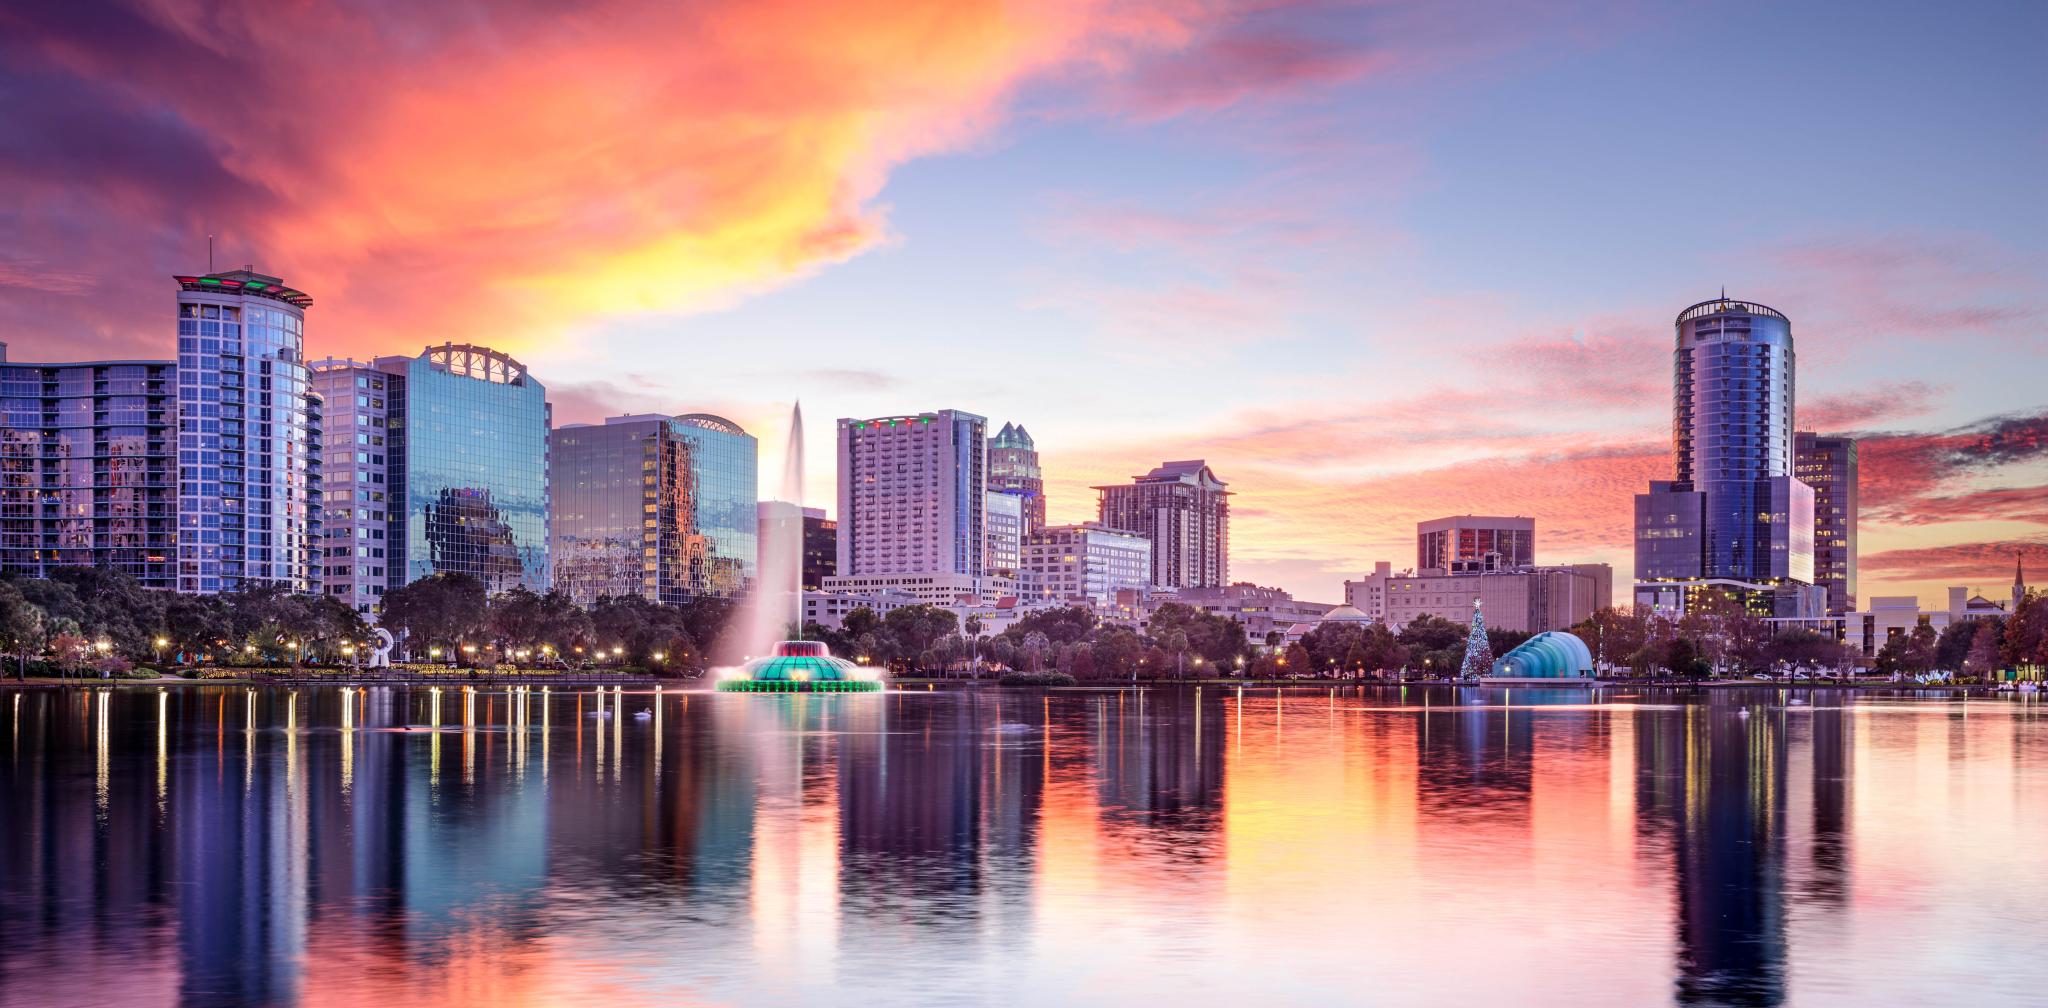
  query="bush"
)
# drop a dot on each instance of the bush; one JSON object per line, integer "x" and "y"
{"x": 1036, "y": 679}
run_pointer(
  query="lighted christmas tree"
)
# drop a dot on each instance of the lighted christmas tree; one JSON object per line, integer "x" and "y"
{"x": 1478, "y": 651}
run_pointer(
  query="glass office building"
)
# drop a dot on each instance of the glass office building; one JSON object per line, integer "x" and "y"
{"x": 245, "y": 490}
{"x": 660, "y": 507}
{"x": 1734, "y": 519}
{"x": 467, "y": 455}
{"x": 88, "y": 468}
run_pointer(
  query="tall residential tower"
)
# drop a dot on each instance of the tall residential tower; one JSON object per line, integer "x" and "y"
{"x": 1184, "y": 511}
{"x": 1828, "y": 465}
{"x": 912, "y": 496}
{"x": 1734, "y": 521}
{"x": 247, "y": 503}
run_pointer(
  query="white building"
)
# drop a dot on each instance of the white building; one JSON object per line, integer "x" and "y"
{"x": 829, "y": 608}
{"x": 1088, "y": 560}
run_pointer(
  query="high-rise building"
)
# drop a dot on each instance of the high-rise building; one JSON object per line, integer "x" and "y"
{"x": 1088, "y": 560}
{"x": 659, "y": 507}
{"x": 471, "y": 468}
{"x": 245, "y": 496}
{"x": 821, "y": 548}
{"x": 1003, "y": 528}
{"x": 1184, "y": 511}
{"x": 355, "y": 480}
{"x": 1470, "y": 544}
{"x": 436, "y": 464}
{"x": 1734, "y": 521}
{"x": 1828, "y": 465}
{"x": 1013, "y": 469}
{"x": 913, "y": 495}
{"x": 89, "y": 468}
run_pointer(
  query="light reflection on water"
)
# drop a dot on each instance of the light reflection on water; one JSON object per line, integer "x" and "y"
{"x": 215, "y": 845}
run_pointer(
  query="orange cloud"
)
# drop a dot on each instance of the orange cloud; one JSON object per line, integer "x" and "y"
{"x": 512, "y": 171}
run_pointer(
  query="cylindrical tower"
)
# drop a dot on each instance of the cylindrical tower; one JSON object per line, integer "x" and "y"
{"x": 1732, "y": 428}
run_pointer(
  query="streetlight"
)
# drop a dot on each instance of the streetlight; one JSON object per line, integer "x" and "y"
{"x": 160, "y": 645}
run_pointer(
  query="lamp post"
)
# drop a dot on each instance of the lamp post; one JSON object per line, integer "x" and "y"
{"x": 161, "y": 643}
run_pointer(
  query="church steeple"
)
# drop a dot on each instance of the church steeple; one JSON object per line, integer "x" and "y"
{"x": 2019, "y": 580}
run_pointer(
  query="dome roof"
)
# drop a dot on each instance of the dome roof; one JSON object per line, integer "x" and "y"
{"x": 1345, "y": 614}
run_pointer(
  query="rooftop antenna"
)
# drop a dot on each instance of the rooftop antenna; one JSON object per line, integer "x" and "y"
{"x": 209, "y": 253}
{"x": 1724, "y": 292}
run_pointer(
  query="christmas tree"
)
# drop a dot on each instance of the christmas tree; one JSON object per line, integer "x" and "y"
{"x": 1478, "y": 651}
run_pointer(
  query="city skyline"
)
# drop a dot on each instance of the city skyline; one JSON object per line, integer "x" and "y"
{"x": 1325, "y": 254}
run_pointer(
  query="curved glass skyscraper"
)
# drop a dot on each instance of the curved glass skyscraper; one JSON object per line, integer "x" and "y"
{"x": 1734, "y": 519}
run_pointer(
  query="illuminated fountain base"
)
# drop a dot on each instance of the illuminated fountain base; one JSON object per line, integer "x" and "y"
{"x": 799, "y": 667}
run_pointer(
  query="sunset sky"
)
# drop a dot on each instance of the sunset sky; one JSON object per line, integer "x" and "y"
{"x": 1376, "y": 263}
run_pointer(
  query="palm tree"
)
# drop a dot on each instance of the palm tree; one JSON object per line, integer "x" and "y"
{"x": 973, "y": 627}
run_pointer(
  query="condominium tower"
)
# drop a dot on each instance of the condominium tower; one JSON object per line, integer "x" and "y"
{"x": 911, "y": 496}
{"x": 1184, "y": 511}
{"x": 247, "y": 502}
{"x": 1828, "y": 465}
{"x": 89, "y": 468}
{"x": 1733, "y": 521}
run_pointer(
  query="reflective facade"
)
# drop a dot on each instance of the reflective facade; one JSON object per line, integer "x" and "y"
{"x": 245, "y": 492}
{"x": 468, "y": 456}
{"x": 88, "y": 468}
{"x": 1471, "y": 544}
{"x": 1828, "y": 465}
{"x": 1003, "y": 526}
{"x": 1734, "y": 504}
{"x": 660, "y": 507}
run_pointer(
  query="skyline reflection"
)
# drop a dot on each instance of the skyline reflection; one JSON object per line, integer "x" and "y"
{"x": 223, "y": 845}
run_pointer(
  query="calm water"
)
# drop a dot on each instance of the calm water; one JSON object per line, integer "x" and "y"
{"x": 216, "y": 846}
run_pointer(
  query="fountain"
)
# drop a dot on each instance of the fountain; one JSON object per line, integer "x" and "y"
{"x": 776, "y": 603}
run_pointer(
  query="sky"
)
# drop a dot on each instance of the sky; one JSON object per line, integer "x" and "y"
{"x": 1376, "y": 263}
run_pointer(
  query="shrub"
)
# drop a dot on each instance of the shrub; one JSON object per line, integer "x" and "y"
{"x": 1036, "y": 679}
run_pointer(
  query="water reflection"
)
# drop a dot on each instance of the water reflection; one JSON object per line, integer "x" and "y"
{"x": 205, "y": 845}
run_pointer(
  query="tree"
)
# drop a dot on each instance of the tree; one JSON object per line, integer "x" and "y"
{"x": 1908, "y": 653}
{"x": 1297, "y": 660}
{"x": 21, "y": 625}
{"x": 71, "y": 651}
{"x": 1118, "y": 651}
{"x": 916, "y": 627}
{"x": 2026, "y": 632}
{"x": 974, "y": 626}
{"x": 1035, "y": 645}
{"x": 1380, "y": 650}
{"x": 443, "y": 610}
{"x": 1955, "y": 640}
{"x": 1984, "y": 656}
{"x": 1804, "y": 648}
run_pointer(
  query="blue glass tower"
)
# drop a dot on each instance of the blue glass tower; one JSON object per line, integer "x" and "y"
{"x": 468, "y": 457}
{"x": 1734, "y": 519}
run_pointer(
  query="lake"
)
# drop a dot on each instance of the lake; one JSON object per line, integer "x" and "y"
{"x": 218, "y": 845}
